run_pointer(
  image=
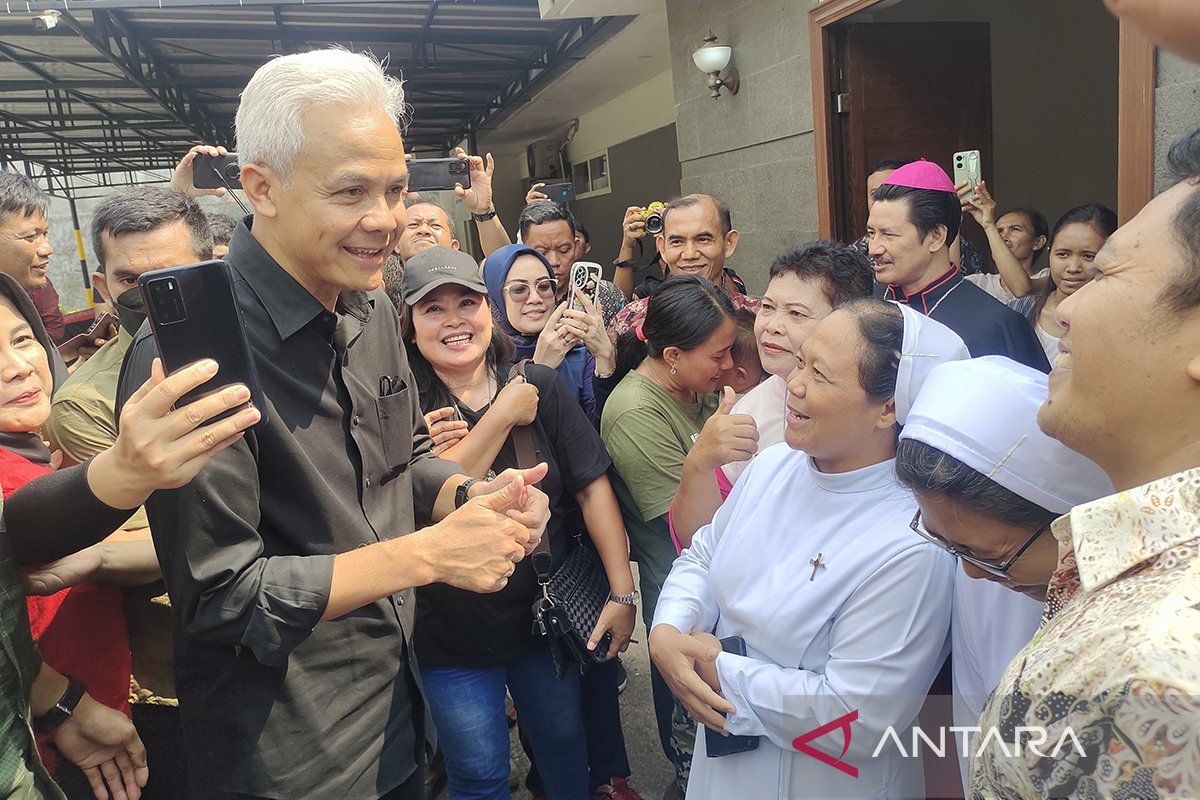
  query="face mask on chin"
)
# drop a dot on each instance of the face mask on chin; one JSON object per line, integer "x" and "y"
{"x": 131, "y": 310}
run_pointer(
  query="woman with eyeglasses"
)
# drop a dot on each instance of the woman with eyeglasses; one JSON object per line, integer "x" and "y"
{"x": 810, "y": 570}
{"x": 989, "y": 485}
{"x": 521, "y": 285}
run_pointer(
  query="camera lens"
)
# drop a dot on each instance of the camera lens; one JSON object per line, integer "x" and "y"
{"x": 232, "y": 171}
{"x": 654, "y": 224}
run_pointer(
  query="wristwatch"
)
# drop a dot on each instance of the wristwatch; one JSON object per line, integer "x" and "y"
{"x": 63, "y": 709}
{"x": 484, "y": 217}
{"x": 631, "y": 599}
{"x": 460, "y": 494}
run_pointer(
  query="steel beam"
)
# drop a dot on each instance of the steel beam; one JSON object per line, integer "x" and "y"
{"x": 125, "y": 48}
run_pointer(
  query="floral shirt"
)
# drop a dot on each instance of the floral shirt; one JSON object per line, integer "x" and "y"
{"x": 1117, "y": 659}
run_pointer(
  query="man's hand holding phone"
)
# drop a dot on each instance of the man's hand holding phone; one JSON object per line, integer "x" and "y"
{"x": 82, "y": 346}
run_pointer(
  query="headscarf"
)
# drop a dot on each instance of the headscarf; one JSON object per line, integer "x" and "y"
{"x": 577, "y": 366}
{"x": 30, "y": 445}
{"x": 926, "y": 344}
{"x": 495, "y": 271}
{"x": 983, "y": 412}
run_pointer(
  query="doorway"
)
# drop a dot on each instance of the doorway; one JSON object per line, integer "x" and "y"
{"x": 1059, "y": 104}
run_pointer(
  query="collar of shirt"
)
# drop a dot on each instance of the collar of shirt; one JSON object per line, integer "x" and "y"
{"x": 1110, "y": 536}
{"x": 290, "y": 305}
{"x": 925, "y": 299}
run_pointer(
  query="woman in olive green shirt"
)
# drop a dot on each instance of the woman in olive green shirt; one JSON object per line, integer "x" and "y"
{"x": 672, "y": 365}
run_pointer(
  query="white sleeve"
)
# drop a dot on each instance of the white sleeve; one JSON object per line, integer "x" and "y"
{"x": 887, "y": 643}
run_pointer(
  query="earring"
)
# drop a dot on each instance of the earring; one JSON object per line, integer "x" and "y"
{"x": 672, "y": 370}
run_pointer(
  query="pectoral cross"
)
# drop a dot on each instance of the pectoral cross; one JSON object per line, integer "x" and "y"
{"x": 817, "y": 564}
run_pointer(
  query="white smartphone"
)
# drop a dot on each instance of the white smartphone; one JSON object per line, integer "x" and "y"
{"x": 585, "y": 276}
{"x": 966, "y": 168}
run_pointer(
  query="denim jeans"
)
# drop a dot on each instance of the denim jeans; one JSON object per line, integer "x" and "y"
{"x": 467, "y": 705}
{"x": 607, "y": 758}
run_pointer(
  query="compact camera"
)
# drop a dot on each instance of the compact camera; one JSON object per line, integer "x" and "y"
{"x": 652, "y": 214}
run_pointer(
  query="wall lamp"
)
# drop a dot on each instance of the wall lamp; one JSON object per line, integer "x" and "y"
{"x": 711, "y": 58}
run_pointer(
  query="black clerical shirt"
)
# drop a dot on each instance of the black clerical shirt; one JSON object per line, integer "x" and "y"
{"x": 273, "y": 702}
{"x": 987, "y": 326}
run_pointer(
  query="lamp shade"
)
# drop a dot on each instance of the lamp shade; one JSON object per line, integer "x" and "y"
{"x": 712, "y": 58}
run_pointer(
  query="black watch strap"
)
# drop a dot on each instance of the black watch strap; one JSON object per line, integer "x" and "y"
{"x": 460, "y": 494}
{"x": 484, "y": 217}
{"x": 61, "y": 711}
{"x": 629, "y": 262}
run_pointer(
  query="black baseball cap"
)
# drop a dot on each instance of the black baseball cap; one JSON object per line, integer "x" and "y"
{"x": 437, "y": 266}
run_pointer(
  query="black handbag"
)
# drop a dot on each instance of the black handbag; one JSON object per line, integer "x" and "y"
{"x": 574, "y": 595}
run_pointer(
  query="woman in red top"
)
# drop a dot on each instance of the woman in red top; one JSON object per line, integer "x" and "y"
{"x": 80, "y": 631}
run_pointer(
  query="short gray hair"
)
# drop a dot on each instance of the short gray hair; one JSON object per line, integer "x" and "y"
{"x": 20, "y": 195}
{"x": 273, "y": 104}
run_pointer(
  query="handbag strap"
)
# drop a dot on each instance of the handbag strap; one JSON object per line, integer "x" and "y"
{"x": 527, "y": 458}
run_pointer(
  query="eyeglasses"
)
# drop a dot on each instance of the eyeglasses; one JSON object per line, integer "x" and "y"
{"x": 519, "y": 290}
{"x": 999, "y": 570}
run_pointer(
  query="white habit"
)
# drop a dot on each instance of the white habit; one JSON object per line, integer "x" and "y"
{"x": 868, "y": 632}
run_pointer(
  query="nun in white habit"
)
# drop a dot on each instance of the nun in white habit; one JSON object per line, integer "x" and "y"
{"x": 811, "y": 561}
{"x": 990, "y": 482}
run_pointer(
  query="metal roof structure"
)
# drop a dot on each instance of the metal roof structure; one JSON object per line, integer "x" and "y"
{"x": 117, "y": 87}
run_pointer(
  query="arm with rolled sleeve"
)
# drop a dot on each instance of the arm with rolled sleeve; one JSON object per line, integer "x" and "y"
{"x": 224, "y": 587}
{"x": 887, "y": 644}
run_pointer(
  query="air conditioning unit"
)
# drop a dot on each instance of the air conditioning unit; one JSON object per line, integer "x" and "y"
{"x": 543, "y": 159}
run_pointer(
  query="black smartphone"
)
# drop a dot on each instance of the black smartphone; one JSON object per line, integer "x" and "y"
{"x": 193, "y": 315}
{"x": 562, "y": 193}
{"x": 216, "y": 172}
{"x": 438, "y": 174}
{"x": 716, "y": 745}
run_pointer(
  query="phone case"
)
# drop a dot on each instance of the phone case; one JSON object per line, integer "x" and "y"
{"x": 193, "y": 315}
{"x": 967, "y": 167}
{"x": 219, "y": 172}
{"x": 716, "y": 745}
{"x": 562, "y": 193}
{"x": 585, "y": 275}
{"x": 438, "y": 174}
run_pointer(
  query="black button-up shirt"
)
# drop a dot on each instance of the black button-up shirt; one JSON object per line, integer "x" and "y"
{"x": 273, "y": 702}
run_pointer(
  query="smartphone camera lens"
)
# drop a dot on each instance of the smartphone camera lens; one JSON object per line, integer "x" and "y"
{"x": 233, "y": 171}
{"x": 458, "y": 168}
{"x": 167, "y": 301}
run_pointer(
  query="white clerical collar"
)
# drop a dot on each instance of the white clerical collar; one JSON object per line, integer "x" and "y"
{"x": 867, "y": 479}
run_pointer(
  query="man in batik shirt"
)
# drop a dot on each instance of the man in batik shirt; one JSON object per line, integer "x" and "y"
{"x": 1112, "y": 678}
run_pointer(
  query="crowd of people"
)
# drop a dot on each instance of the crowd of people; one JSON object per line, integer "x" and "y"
{"x": 887, "y": 467}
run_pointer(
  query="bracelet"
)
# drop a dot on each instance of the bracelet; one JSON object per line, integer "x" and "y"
{"x": 61, "y": 711}
{"x": 630, "y": 599}
{"x": 626, "y": 264}
{"x": 484, "y": 217}
{"x": 461, "y": 493}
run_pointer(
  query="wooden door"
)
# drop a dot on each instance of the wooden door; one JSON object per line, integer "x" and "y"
{"x": 910, "y": 90}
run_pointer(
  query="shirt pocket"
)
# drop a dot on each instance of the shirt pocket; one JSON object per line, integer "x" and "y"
{"x": 396, "y": 429}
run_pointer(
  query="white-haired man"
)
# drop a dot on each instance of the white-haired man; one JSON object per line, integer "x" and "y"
{"x": 291, "y": 557}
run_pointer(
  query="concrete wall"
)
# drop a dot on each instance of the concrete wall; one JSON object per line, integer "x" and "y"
{"x": 1054, "y": 96}
{"x": 637, "y": 128}
{"x": 640, "y": 170}
{"x": 1176, "y": 110}
{"x": 644, "y": 108}
{"x": 754, "y": 150}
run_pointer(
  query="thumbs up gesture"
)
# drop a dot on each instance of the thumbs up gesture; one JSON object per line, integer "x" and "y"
{"x": 726, "y": 437}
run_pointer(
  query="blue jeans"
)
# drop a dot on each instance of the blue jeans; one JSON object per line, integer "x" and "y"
{"x": 468, "y": 709}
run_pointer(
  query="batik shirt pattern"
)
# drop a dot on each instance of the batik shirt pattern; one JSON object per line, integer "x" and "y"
{"x": 1117, "y": 659}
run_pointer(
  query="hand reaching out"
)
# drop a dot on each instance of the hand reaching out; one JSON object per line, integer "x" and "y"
{"x": 477, "y": 199}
